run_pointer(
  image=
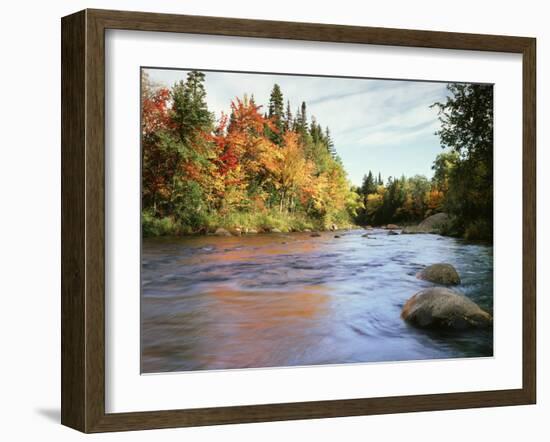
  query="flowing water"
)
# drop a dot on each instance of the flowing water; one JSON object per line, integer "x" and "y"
{"x": 291, "y": 299}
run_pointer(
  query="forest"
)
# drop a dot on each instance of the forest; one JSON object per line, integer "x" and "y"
{"x": 275, "y": 167}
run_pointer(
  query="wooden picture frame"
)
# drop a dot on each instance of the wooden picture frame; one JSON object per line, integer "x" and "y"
{"x": 83, "y": 220}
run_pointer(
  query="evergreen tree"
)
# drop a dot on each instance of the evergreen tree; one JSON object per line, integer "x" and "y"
{"x": 330, "y": 144}
{"x": 301, "y": 119}
{"x": 190, "y": 112}
{"x": 380, "y": 182}
{"x": 369, "y": 186}
{"x": 288, "y": 118}
{"x": 315, "y": 131}
{"x": 276, "y": 114}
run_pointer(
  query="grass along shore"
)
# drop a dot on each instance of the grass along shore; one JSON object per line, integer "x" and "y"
{"x": 269, "y": 221}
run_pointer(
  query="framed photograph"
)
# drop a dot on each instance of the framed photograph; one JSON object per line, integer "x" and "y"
{"x": 271, "y": 220}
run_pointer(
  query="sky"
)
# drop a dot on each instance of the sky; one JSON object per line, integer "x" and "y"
{"x": 386, "y": 126}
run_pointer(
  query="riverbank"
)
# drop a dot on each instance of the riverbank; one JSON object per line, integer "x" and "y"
{"x": 239, "y": 223}
{"x": 275, "y": 222}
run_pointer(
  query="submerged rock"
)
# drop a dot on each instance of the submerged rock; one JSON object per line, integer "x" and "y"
{"x": 393, "y": 232}
{"x": 315, "y": 235}
{"x": 337, "y": 236}
{"x": 441, "y": 273}
{"x": 365, "y": 235}
{"x": 440, "y": 307}
{"x": 220, "y": 231}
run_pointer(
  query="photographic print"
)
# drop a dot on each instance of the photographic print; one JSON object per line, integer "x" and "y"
{"x": 298, "y": 220}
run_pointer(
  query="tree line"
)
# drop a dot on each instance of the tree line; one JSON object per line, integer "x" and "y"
{"x": 279, "y": 168}
{"x": 262, "y": 170}
{"x": 400, "y": 200}
{"x": 462, "y": 184}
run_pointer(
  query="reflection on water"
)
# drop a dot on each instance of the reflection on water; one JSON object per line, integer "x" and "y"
{"x": 290, "y": 299}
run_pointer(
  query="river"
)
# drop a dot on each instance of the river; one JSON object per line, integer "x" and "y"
{"x": 273, "y": 300}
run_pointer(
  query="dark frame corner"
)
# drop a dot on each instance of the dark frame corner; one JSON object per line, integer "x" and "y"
{"x": 83, "y": 215}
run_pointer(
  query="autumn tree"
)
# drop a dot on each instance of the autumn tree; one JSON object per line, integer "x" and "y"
{"x": 198, "y": 172}
{"x": 159, "y": 159}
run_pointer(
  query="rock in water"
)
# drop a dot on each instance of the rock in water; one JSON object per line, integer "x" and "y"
{"x": 220, "y": 231}
{"x": 391, "y": 226}
{"x": 392, "y": 232}
{"x": 365, "y": 235}
{"x": 315, "y": 235}
{"x": 432, "y": 224}
{"x": 275, "y": 230}
{"x": 440, "y": 307}
{"x": 440, "y": 274}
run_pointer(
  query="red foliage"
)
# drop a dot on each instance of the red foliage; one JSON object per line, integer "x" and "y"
{"x": 155, "y": 112}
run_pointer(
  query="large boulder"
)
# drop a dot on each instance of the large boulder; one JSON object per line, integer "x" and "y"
{"x": 441, "y": 273}
{"x": 432, "y": 224}
{"x": 391, "y": 226}
{"x": 443, "y": 308}
{"x": 220, "y": 231}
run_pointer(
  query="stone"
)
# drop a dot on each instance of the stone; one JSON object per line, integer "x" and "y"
{"x": 443, "y": 308}
{"x": 220, "y": 231}
{"x": 441, "y": 273}
{"x": 432, "y": 224}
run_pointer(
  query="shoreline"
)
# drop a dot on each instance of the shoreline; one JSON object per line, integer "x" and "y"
{"x": 235, "y": 233}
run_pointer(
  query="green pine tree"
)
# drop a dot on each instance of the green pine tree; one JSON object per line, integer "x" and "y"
{"x": 289, "y": 121}
{"x": 277, "y": 114}
{"x": 190, "y": 111}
